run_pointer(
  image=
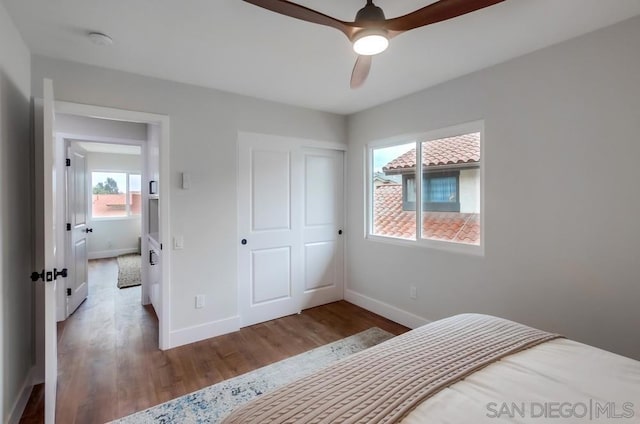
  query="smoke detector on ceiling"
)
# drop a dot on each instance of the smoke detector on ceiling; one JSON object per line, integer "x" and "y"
{"x": 100, "y": 39}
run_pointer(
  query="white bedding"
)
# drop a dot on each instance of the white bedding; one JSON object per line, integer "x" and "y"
{"x": 560, "y": 381}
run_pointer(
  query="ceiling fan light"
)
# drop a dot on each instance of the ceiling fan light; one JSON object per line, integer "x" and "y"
{"x": 371, "y": 42}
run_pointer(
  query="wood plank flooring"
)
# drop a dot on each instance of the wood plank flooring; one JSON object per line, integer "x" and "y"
{"x": 110, "y": 365}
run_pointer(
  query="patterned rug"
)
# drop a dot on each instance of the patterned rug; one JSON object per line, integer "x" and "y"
{"x": 129, "y": 270}
{"x": 211, "y": 404}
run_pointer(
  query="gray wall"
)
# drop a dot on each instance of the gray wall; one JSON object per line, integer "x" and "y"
{"x": 16, "y": 332}
{"x": 204, "y": 127}
{"x": 562, "y": 199}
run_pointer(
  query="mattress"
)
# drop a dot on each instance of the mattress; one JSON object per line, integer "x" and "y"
{"x": 559, "y": 381}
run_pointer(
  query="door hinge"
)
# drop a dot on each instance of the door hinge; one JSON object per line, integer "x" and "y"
{"x": 68, "y": 226}
{"x": 69, "y": 292}
{"x": 68, "y": 162}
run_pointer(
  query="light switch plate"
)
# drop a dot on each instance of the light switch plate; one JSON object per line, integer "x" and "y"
{"x": 186, "y": 181}
{"x": 199, "y": 301}
{"x": 178, "y": 242}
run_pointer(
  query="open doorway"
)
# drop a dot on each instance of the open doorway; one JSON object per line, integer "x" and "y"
{"x": 110, "y": 178}
{"x": 105, "y": 167}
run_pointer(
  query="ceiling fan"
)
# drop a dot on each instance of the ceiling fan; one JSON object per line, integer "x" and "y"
{"x": 370, "y": 32}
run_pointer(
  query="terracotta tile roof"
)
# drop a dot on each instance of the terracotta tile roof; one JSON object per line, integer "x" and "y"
{"x": 391, "y": 220}
{"x": 445, "y": 151}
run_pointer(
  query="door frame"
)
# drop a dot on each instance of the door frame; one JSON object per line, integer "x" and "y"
{"x": 300, "y": 144}
{"x": 163, "y": 122}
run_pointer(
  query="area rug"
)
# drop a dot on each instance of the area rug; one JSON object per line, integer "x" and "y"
{"x": 213, "y": 403}
{"x": 129, "y": 270}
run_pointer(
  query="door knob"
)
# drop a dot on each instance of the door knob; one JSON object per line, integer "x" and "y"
{"x": 88, "y": 230}
{"x": 35, "y": 276}
{"x": 243, "y": 241}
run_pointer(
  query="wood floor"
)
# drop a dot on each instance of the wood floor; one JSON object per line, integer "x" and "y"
{"x": 110, "y": 365}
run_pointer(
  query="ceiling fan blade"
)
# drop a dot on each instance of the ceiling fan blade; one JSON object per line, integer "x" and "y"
{"x": 294, "y": 10}
{"x": 360, "y": 71}
{"x": 437, "y": 12}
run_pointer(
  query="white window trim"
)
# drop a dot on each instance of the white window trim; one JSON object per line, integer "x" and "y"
{"x": 128, "y": 215}
{"x": 448, "y": 246}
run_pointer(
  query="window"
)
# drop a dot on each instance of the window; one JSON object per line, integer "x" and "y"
{"x": 439, "y": 192}
{"x": 389, "y": 217}
{"x": 449, "y": 188}
{"x": 115, "y": 194}
{"x": 135, "y": 194}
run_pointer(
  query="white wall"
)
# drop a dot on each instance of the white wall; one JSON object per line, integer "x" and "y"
{"x": 106, "y": 129}
{"x": 16, "y": 310}
{"x": 562, "y": 200}
{"x": 204, "y": 127}
{"x": 113, "y": 237}
{"x": 470, "y": 190}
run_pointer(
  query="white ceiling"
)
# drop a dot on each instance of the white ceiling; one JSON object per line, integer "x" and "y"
{"x": 237, "y": 47}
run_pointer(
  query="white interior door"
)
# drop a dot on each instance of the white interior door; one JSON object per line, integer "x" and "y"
{"x": 323, "y": 245}
{"x": 269, "y": 225}
{"x": 46, "y": 252}
{"x": 77, "y": 207}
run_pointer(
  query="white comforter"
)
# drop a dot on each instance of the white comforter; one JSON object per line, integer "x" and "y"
{"x": 560, "y": 381}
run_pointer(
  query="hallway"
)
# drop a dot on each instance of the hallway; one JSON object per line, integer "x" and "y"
{"x": 102, "y": 347}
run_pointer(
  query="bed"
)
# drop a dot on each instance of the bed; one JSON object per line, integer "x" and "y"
{"x": 469, "y": 368}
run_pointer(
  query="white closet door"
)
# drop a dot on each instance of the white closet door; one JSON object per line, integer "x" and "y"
{"x": 269, "y": 225}
{"x": 323, "y": 221}
{"x": 290, "y": 215}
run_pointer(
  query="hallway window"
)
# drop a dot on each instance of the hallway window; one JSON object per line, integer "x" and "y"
{"x": 115, "y": 194}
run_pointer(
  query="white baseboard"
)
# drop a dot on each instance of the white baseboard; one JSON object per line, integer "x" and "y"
{"x": 204, "y": 331}
{"x": 21, "y": 402}
{"x": 388, "y": 311}
{"x": 101, "y": 254}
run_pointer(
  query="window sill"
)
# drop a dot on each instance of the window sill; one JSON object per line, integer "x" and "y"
{"x": 116, "y": 218}
{"x": 445, "y": 246}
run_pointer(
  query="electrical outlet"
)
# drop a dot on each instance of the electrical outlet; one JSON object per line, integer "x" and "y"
{"x": 199, "y": 301}
{"x": 413, "y": 292}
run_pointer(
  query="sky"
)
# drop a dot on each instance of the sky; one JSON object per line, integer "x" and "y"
{"x": 383, "y": 156}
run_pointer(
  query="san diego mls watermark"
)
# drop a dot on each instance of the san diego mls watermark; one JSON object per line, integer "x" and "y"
{"x": 591, "y": 410}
